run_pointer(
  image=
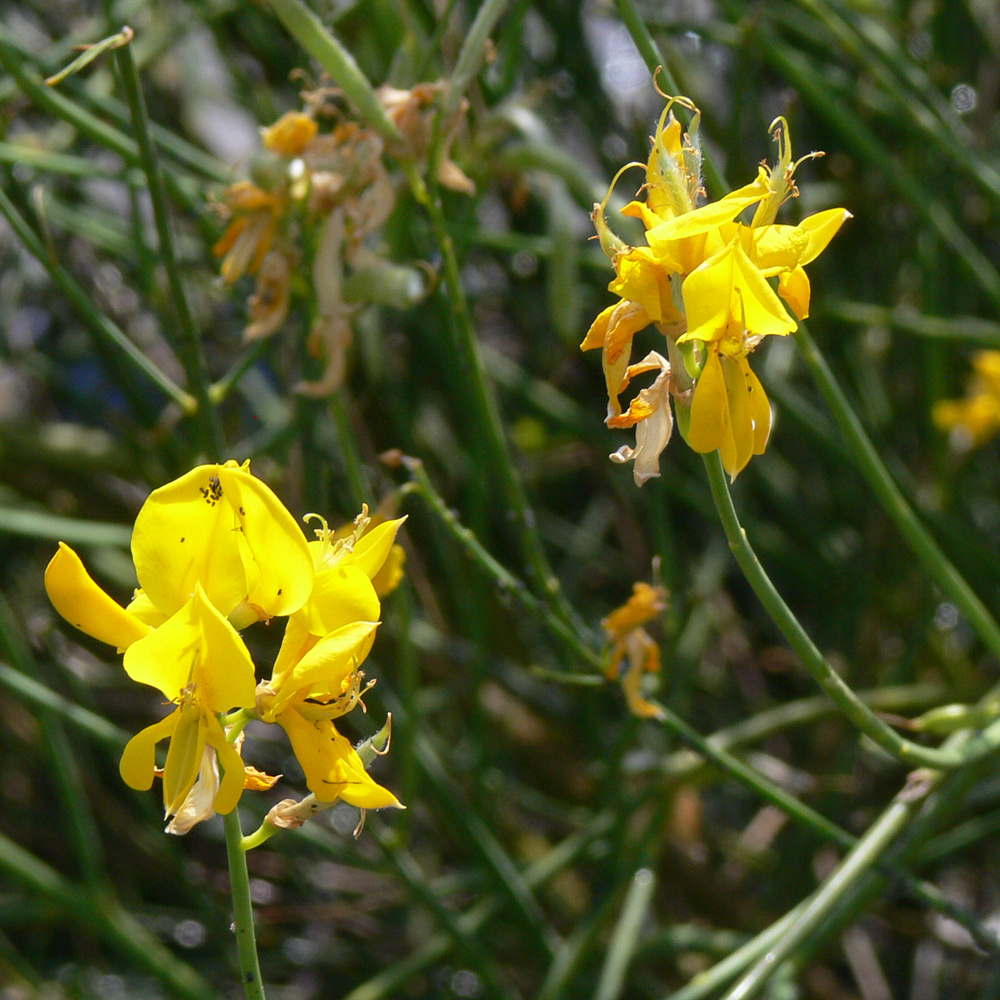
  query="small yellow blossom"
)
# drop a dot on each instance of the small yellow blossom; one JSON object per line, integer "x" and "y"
{"x": 714, "y": 287}
{"x": 317, "y": 676}
{"x": 974, "y": 420}
{"x": 633, "y": 652}
{"x": 290, "y": 134}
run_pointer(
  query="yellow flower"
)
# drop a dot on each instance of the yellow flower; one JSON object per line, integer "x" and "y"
{"x": 220, "y": 526}
{"x": 197, "y": 659}
{"x": 632, "y": 645}
{"x": 974, "y": 420}
{"x": 317, "y": 676}
{"x": 214, "y": 551}
{"x": 290, "y": 134}
{"x": 714, "y": 287}
{"x": 194, "y": 657}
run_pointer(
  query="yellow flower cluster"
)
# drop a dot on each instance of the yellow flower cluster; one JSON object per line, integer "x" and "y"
{"x": 320, "y": 197}
{"x": 214, "y": 552}
{"x": 972, "y": 421}
{"x": 715, "y": 287}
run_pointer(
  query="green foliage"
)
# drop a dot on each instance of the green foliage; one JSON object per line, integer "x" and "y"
{"x": 554, "y": 846}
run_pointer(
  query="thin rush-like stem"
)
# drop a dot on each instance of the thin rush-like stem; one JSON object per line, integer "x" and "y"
{"x": 95, "y": 320}
{"x": 239, "y": 879}
{"x": 307, "y": 29}
{"x": 912, "y": 754}
{"x": 488, "y": 418}
{"x": 188, "y": 341}
{"x": 861, "y": 859}
{"x": 867, "y": 459}
{"x": 512, "y": 586}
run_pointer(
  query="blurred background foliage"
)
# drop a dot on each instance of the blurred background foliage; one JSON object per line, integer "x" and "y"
{"x": 553, "y": 845}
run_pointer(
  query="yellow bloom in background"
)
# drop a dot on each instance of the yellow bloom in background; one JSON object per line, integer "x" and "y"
{"x": 255, "y": 215}
{"x": 221, "y": 527}
{"x": 974, "y": 420}
{"x": 317, "y": 675}
{"x": 290, "y": 134}
{"x": 633, "y": 652}
{"x": 714, "y": 287}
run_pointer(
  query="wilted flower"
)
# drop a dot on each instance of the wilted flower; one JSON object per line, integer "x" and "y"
{"x": 633, "y": 652}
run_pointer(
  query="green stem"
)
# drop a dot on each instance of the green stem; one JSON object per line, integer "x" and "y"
{"x": 829, "y": 680}
{"x": 863, "y": 857}
{"x": 654, "y": 61}
{"x": 937, "y": 564}
{"x": 96, "y": 321}
{"x": 488, "y": 417}
{"x": 307, "y": 29}
{"x": 188, "y": 341}
{"x": 510, "y": 584}
{"x": 239, "y": 878}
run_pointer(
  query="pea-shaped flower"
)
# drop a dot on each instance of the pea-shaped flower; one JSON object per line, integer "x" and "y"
{"x": 214, "y": 551}
{"x": 316, "y": 675}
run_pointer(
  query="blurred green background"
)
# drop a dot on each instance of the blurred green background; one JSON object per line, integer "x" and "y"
{"x": 553, "y": 846}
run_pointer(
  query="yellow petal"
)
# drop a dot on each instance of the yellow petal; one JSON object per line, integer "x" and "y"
{"x": 184, "y": 755}
{"x": 279, "y": 547}
{"x": 331, "y": 765}
{"x": 372, "y": 549}
{"x": 84, "y": 605}
{"x": 231, "y": 785}
{"x": 195, "y": 646}
{"x": 737, "y": 451}
{"x": 760, "y": 411}
{"x": 728, "y": 291}
{"x": 707, "y": 218}
{"x": 598, "y": 329}
{"x": 139, "y": 757}
{"x": 644, "y": 278}
{"x": 144, "y": 609}
{"x": 709, "y": 408}
{"x": 777, "y": 248}
{"x": 221, "y": 527}
{"x": 793, "y": 287}
{"x": 322, "y": 671}
{"x": 342, "y": 593}
{"x": 822, "y": 227}
{"x": 387, "y": 579}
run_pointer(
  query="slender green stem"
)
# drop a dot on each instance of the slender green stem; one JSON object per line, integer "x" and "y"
{"x": 829, "y": 680}
{"x": 937, "y": 564}
{"x": 307, "y": 29}
{"x": 188, "y": 341}
{"x": 96, "y": 321}
{"x": 863, "y": 857}
{"x": 471, "y": 365}
{"x": 470, "y": 58}
{"x": 572, "y": 639}
{"x": 625, "y": 938}
{"x": 239, "y": 879}
{"x": 654, "y": 61}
